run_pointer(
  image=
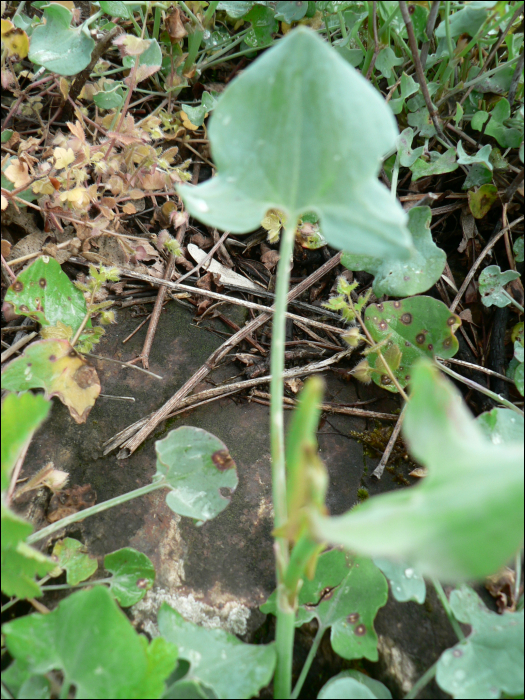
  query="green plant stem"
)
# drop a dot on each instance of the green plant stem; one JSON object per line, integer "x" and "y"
{"x": 82, "y": 584}
{"x": 99, "y": 508}
{"x": 449, "y": 35}
{"x": 517, "y": 574}
{"x": 479, "y": 387}
{"x": 513, "y": 301}
{"x": 309, "y": 660}
{"x": 422, "y": 682}
{"x": 285, "y": 614}
{"x": 448, "y": 610}
{"x": 342, "y": 24}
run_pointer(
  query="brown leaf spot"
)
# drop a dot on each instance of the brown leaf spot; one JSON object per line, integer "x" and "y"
{"x": 380, "y": 307}
{"x": 406, "y": 319}
{"x": 430, "y": 346}
{"x": 385, "y": 379}
{"x": 42, "y": 282}
{"x": 17, "y": 286}
{"x": 353, "y": 618}
{"x": 383, "y": 325}
{"x": 24, "y": 308}
{"x": 457, "y": 653}
{"x": 360, "y": 630}
{"x": 420, "y": 338}
{"x": 397, "y": 305}
{"x": 142, "y": 583}
{"x": 407, "y": 377}
{"x": 447, "y": 342}
{"x": 222, "y": 460}
{"x": 406, "y": 278}
{"x": 52, "y": 358}
{"x": 407, "y": 343}
{"x": 85, "y": 376}
{"x": 452, "y": 320}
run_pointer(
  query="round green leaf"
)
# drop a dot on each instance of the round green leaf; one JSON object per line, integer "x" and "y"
{"x": 301, "y": 131}
{"x": 412, "y": 328}
{"x": 56, "y": 46}
{"x": 133, "y": 575}
{"x": 405, "y": 278}
{"x": 490, "y": 660}
{"x": 199, "y": 470}
{"x": 353, "y": 684}
{"x": 218, "y": 659}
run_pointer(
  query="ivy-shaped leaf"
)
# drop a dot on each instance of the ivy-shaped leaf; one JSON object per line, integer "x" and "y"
{"x": 199, "y": 470}
{"x": 301, "y": 131}
{"x": 57, "y": 46}
{"x": 408, "y": 87}
{"x": 492, "y": 283}
{"x": 56, "y": 367}
{"x": 404, "y": 278}
{"x": 435, "y": 526}
{"x": 438, "y": 164}
{"x": 264, "y": 25}
{"x": 133, "y": 575}
{"x": 412, "y": 328}
{"x": 407, "y": 154}
{"x": 345, "y": 594}
{"x": 490, "y": 660}
{"x": 518, "y": 249}
{"x": 196, "y": 115}
{"x": 71, "y": 556}
{"x": 506, "y": 136}
{"x": 217, "y": 658}
{"x": 90, "y": 640}
{"x": 386, "y": 60}
{"x": 46, "y": 294}
{"x": 482, "y": 156}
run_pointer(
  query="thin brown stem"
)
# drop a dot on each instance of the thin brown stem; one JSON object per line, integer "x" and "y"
{"x": 378, "y": 471}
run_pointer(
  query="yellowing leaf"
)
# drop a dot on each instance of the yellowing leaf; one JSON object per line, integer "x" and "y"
{"x": 63, "y": 157}
{"x": 56, "y": 367}
{"x": 273, "y": 222}
{"x": 129, "y": 208}
{"x": 77, "y": 197}
{"x": 64, "y": 88}
{"x": 43, "y": 186}
{"x": 4, "y": 203}
{"x": 18, "y": 173}
{"x": 58, "y": 332}
{"x": 130, "y": 45}
{"x": 186, "y": 122}
{"x": 15, "y": 40}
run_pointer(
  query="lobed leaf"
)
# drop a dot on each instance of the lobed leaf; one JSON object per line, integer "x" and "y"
{"x": 46, "y": 294}
{"x": 57, "y": 46}
{"x": 301, "y": 131}
{"x": 133, "y": 575}
{"x": 490, "y": 660}
{"x": 56, "y": 367}
{"x": 71, "y": 556}
{"x": 94, "y": 645}
{"x": 353, "y": 684}
{"x": 436, "y": 526}
{"x": 345, "y": 594}
{"x": 404, "y": 278}
{"x": 492, "y": 283}
{"x": 411, "y": 328}
{"x": 217, "y": 658}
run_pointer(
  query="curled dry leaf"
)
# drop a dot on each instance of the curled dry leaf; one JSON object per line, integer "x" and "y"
{"x": 175, "y": 26}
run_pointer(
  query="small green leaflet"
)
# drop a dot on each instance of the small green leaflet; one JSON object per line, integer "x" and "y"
{"x": 492, "y": 283}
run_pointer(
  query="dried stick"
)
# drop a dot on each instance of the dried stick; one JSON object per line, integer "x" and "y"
{"x": 16, "y": 346}
{"x": 378, "y": 471}
{"x": 419, "y": 70}
{"x": 220, "y": 297}
{"x": 479, "y": 260}
{"x": 205, "y": 259}
{"x": 131, "y": 445}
